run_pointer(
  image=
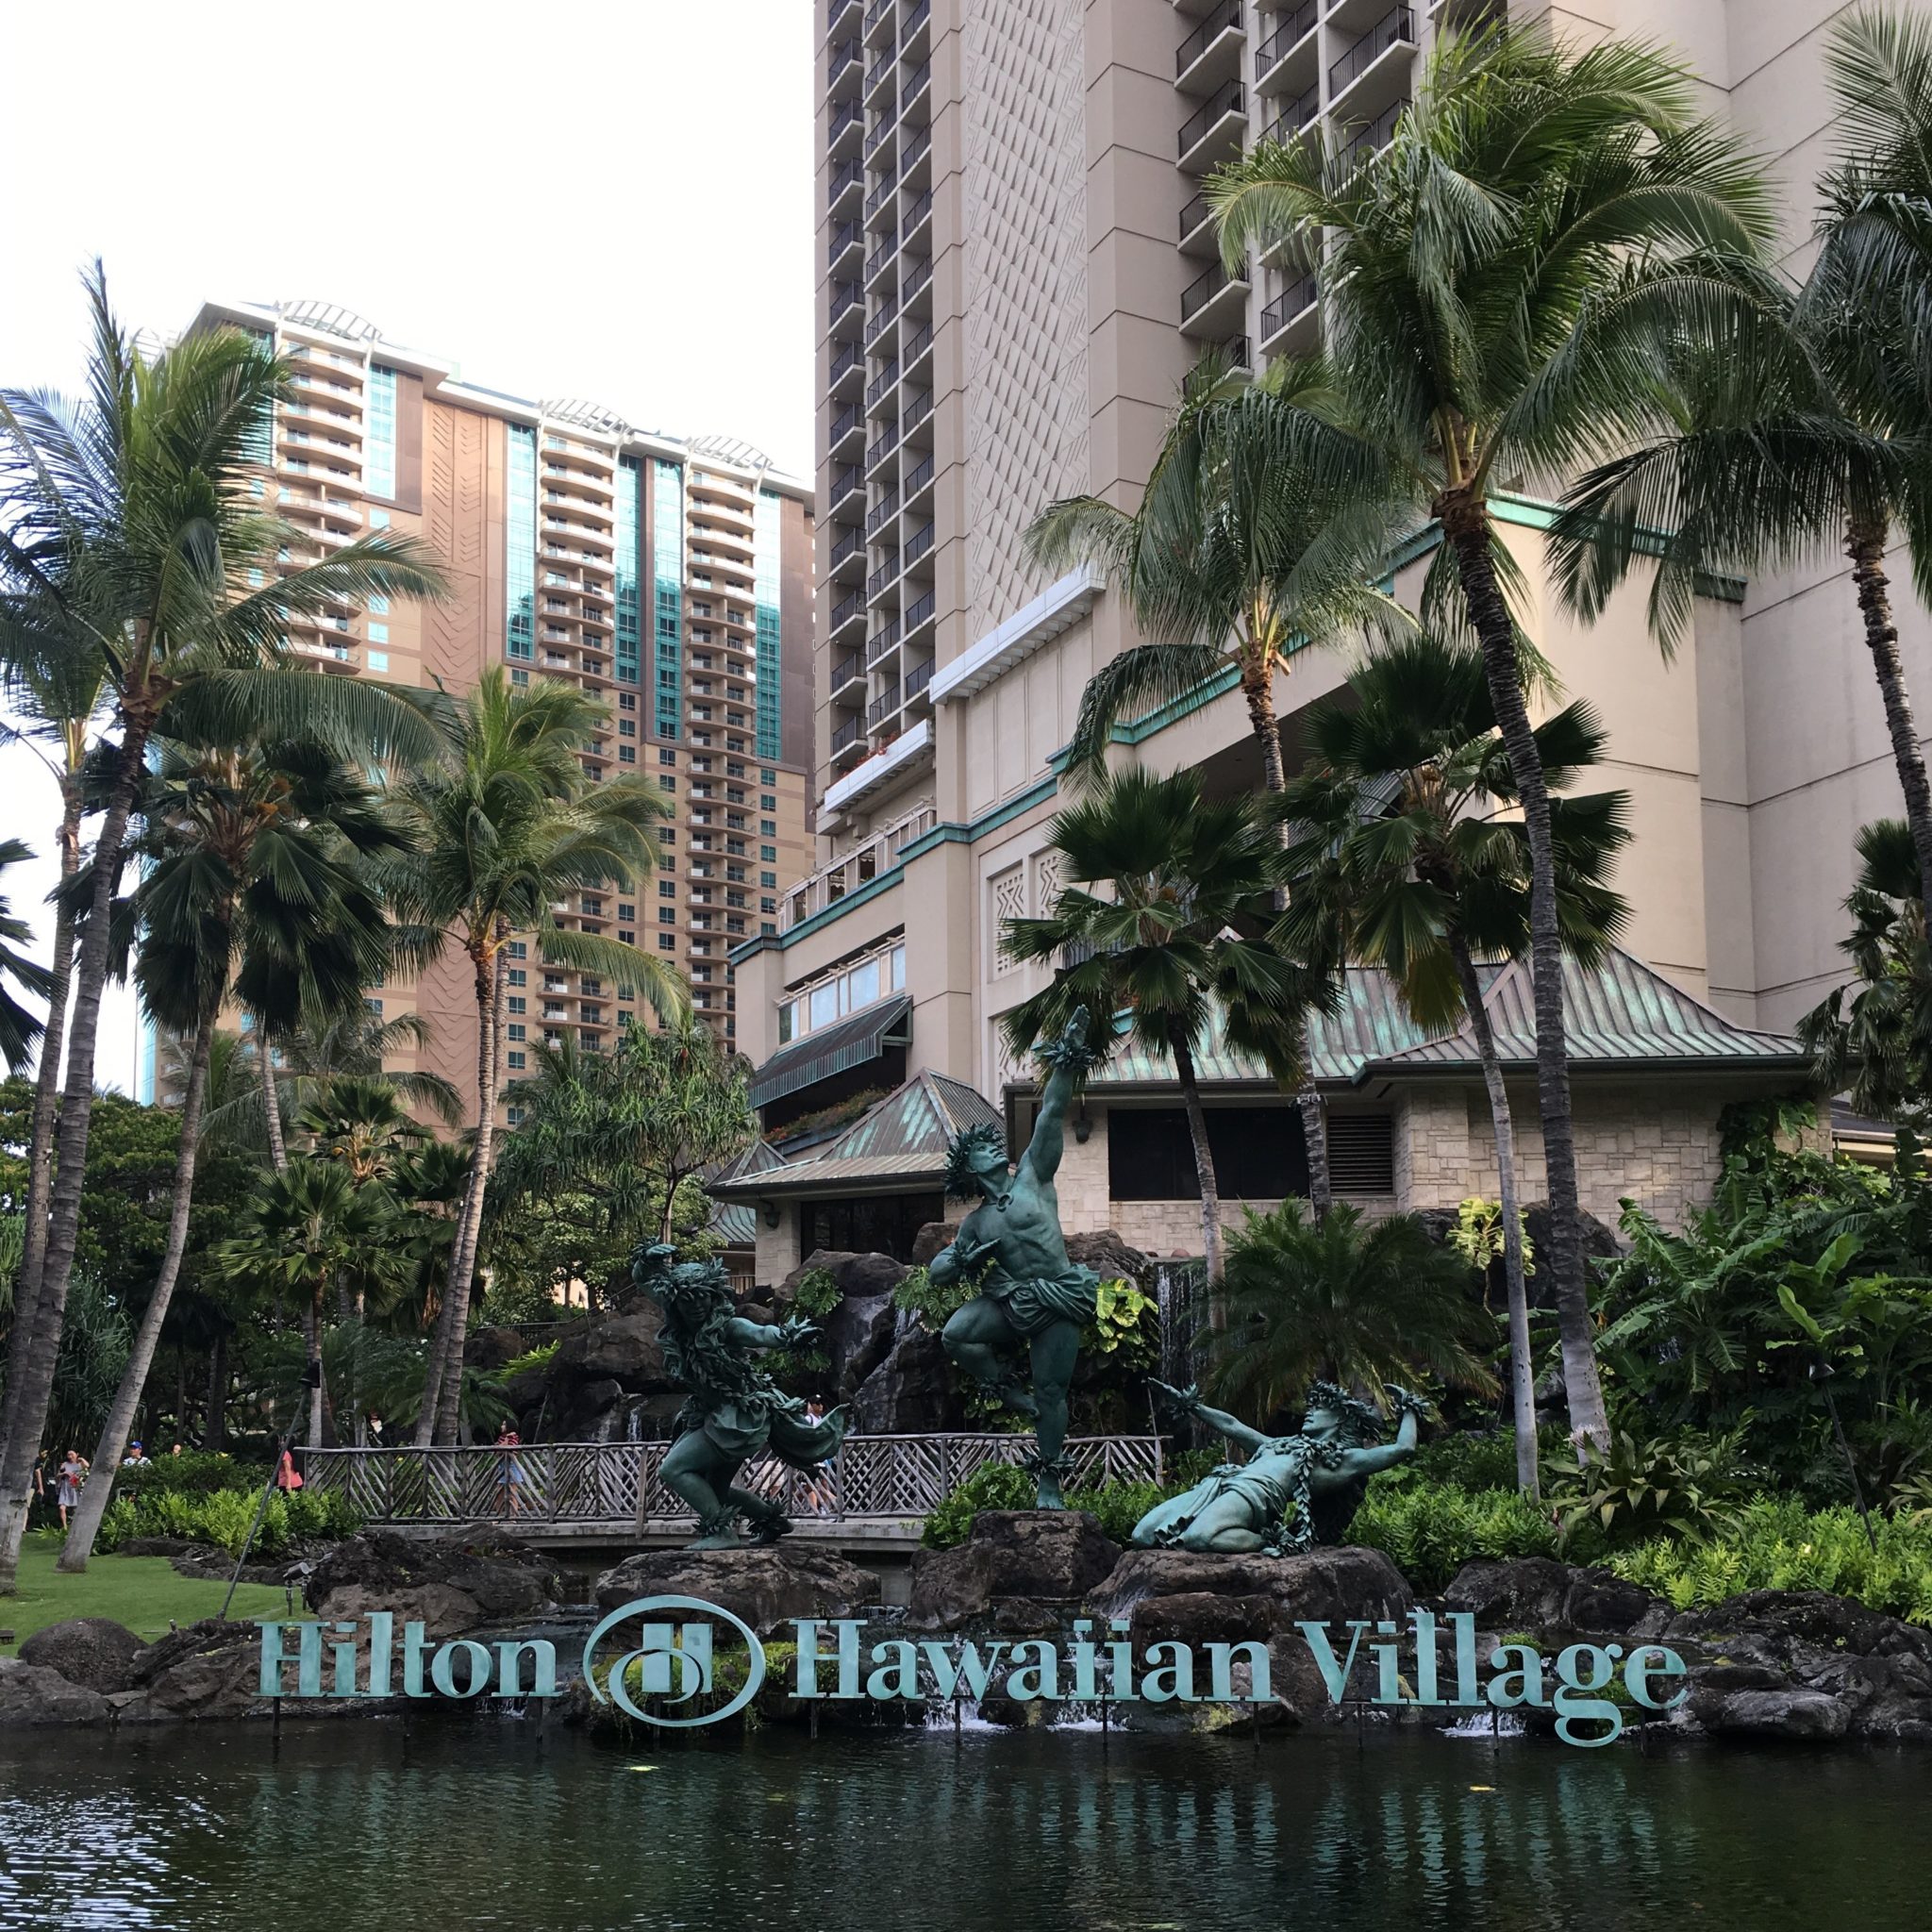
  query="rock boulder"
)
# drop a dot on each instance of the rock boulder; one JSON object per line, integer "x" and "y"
{"x": 1322, "y": 1586}
{"x": 765, "y": 1586}
{"x": 1539, "y": 1593}
{"x": 34, "y": 1694}
{"x": 453, "y": 1583}
{"x": 96, "y": 1652}
{"x": 1043, "y": 1556}
{"x": 914, "y": 1391}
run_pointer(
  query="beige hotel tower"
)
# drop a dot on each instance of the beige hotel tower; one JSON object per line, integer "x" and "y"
{"x": 671, "y": 577}
{"x": 1015, "y": 273}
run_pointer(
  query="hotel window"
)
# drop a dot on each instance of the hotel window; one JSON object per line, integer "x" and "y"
{"x": 667, "y": 548}
{"x": 627, "y": 754}
{"x": 515, "y": 1029}
{"x": 378, "y": 633}
{"x": 378, "y": 520}
{"x": 520, "y": 544}
{"x": 630, "y": 492}
{"x": 378, "y": 660}
{"x": 516, "y": 1062}
{"x": 379, "y": 452}
{"x": 378, "y": 606}
{"x": 519, "y": 975}
{"x": 517, "y": 1004}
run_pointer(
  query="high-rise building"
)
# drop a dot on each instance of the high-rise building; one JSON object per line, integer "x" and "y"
{"x": 1017, "y": 271}
{"x": 671, "y": 576}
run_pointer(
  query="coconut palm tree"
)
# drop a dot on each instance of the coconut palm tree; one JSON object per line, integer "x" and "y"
{"x": 1805, "y": 429}
{"x": 1357, "y": 1302}
{"x": 1498, "y": 282}
{"x": 1175, "y": 936}
{"x": 20, "y": 1026}
{"x": 1402, "y": 860}
{"x": 249, "y": 884}
{"x": 499, "y": 839}
{"x": 1262, "y": 530}
{"x": 127, "y": 517}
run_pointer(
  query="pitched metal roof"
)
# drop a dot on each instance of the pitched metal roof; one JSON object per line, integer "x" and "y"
{"x": 1621, "y": 1015}
{"x": 848, "y": 1042}
{"x": 902, "y": 1139}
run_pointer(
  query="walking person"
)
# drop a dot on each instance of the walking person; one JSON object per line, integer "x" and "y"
{"x": 509, "y": 1474}
{"x": 288, "y": 1477}
{"x": 73, "y": 1468}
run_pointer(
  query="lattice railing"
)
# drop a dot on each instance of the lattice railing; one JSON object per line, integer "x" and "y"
{"x": 872, "y": 1478}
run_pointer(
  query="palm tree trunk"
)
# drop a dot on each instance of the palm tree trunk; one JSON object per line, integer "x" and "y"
{"x": 1190, "y": 1085}
{"x": 216, "y": 1431}
{"x": 1258, "y": 693}
{"x": 442, "y": 1388}
{"x": 46, "y": 1112}
{"x": 1521, "y": 1368}
{"x": 1465, "y": 524}
{"x": 97, "y": 1493}
{"x": 1865, "y": 549}
{"x": 312, "y": 1337}
{"x": 271, "y": 1102}
{"x": 33, "y": 1362}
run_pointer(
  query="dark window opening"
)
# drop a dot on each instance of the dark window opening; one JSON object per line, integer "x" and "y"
{"x": 1361, "y": 1153}
{"x": 866, "y": 1224}
{"x": 1258, "y": 1153}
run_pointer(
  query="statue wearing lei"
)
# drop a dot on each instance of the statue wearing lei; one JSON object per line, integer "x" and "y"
{"x": 735, "y": 1409}
{"x": 1030, "y": 1296}
{"x": 1324, "y": 1471}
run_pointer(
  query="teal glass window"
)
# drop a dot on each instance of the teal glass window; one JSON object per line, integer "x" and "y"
{"x": 520, "y": 544}
{"x": 630, "y": 496}
{"x": 379, "y": 452}
{"x": 765, "y": 543}
{"x": 667, "y": 560}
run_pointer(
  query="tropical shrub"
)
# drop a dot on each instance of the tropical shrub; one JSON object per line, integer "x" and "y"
{"x": 1125, "y": 1326}
{"x": 193, "y": 1473}
{"x": 221, "y": 1517}
{"x": 1678, "y": 1486}
{"x": 1007, "y": 1486}
{"x": 1429, "y": 1530}
{"x": 817, "y": 1292}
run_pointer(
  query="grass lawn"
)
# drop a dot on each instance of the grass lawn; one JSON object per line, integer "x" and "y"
{"x": 146, "y": 1593}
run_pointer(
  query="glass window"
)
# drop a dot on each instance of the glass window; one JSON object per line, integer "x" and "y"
{"x": 520, "y": 544}
{"x": 824, "y": 1003}
{"x": 516, "y": 1062}
{"x": 378, "y": 520}
{"x": 766, "y": 632}
{"x": 378, "y": 606}
{"x": 768, "y": 828}
{"x": 630, "y": 495}
{"x": 767, "y": 802}
{"x": 519, "y": 975}
{"x": 667, "y": 553}
{"x": 378, "y": 633}
{"x": 898, "y": 968}
{"x": 379, "y": 450}
{"x": 865, "y": 983}
{"x": 378, "y": 660}
{"x": 517, "y": 1005}
{"x": 768, "y": 854}
{"x": 784, "y": 1022}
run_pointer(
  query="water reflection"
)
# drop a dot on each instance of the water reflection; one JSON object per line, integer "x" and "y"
{"x": 507, "y": 1825}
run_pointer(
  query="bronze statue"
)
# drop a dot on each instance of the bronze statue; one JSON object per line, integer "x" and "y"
{"x": 1030, "y": 1294}
{"x": 735, "y": 1409}
{"x": 1325, "y": 1470}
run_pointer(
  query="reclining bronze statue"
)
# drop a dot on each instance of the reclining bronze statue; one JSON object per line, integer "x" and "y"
{"x": 1030, "y": 1295}
{"x": 735, "y": 1409}
{"x": 1322, "y": 1471}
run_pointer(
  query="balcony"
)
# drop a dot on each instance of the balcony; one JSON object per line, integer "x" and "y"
{"x": 918, "y": 273}
{"x": 917, "y": 82}
{"x": 917, "y": 480}
{"x": 1298, "y": 114}
{"x": 846, "y": 238}
{"x": 838, "y": 59}
{"x": 1197, "y": 228}
{"x": 842, "y": 130}
{"x": 912, "y": 27}
{"x": 844, "y": 13}
{"x": 843, "y": 307}
{"x": 880, "y": 196}
{"x": 845, "y": 480}
{"x": 851, "y": 545}
{"x": 1384, "y": 51}
{"x": 886, "y": 378}
{"x": 877, "y": 451}
{"x": 918, "y": 544}
{"x": 882, "y": 707}
{"x": 917, "y": 216}
{"x": 880, "y": 72}
{"x": 1367, "y": 142}
{"x": 883, "y": 641}
{"x": 887, "y": 573}
{"x": 918, "y": 143}
{"x": 1211, "y": 55}
{"x": 882, "y": 512}
{"x": 918, "y": 678}
{"x": 1292, "y": 313}
{"x": 850, "y": 361}
{"x": 844, "y": 612}
{"x": 1213, "y": 303}
{"x": 1213, "y": 134}
{"x": 1286, "y": 59}
{"x": 920, "y": 614}
{"x": 847, "y": 669}
{"x": 883, "y": 318}
{"x": 876, "y": 16}
{"x": 848, "y": 738}
{"x": 880, "y": 258}
{"x": 867, "y": 861}
{"x": 915, "y": 346}
{"x": 877, "y": 139}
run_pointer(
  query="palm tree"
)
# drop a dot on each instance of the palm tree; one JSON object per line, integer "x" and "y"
{"x": 1498, "y": 282}
{"x": 1176, "y": 932}
{"x": 1875, "y": 1042}
{"x": 1401, "y": 860}
{"x": 506, "y": 834}
{"x": 249, "y": 885}
{"x": 129, "y": 520}
{"x": 1806, "y": 428}
{"x": 20, "y": 1026}
{"x": 308, "y": 1229}
{"x": 1352, "y": 1301}
{"x": 1260, "y": 530}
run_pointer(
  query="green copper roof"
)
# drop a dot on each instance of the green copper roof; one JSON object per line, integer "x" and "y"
{"x": 902, "y": 1140}
{"x": 1621, "y": 1015}
{"x": 848, "y": 1042}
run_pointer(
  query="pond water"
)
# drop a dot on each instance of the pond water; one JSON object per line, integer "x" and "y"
{"x": 503, "y": 1825}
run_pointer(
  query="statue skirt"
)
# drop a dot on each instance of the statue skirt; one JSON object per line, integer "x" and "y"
{"x": 743, "y": 1429}
{"x": 1038, "y": 1304}
{"x": 1169, "y": 1523}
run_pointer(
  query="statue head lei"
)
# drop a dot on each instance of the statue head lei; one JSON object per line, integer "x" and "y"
{"x": 1355, "y": 1422}
{"x": 977, "y": 1156}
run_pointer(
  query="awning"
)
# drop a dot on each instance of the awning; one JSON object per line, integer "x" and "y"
{"x": 848, "y": 1042}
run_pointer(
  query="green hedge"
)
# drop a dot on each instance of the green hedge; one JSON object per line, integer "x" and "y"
{"x": 1007, "y": 1485}
{"x": 195, "y": 1473}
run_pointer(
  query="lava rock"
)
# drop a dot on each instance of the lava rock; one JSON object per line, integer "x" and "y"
{"x": 1811, "y": 1619}
{"x": 492, "y": 1348}
{"x": 454, "y": 1582}
{"x": 36, "y": 1694}
{"x": 622, "y": 1348}
{"x": 208, "y": 1669}
{"x": 932, "y": 1237}
{"x": 1802, "y": 1715}
{"x": 858, "y": 1333}
{"x": 1108, "y": 1255}
{"x": 96, "y": 1652}
{"x": 1322, "y": 1586}
{"x": 1539, "y": 1593}
{"x": 766, "y": 1585}
{"x": 913, "y": 1391}
{"x": 1054, "y": 1556}
{"x": 1200, "y": 1616}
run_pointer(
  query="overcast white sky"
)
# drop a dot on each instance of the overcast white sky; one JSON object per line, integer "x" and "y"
{"x": 611, "y": 201}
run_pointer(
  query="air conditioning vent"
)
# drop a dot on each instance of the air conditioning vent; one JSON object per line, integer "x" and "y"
{"x": 1361, "y": 1153}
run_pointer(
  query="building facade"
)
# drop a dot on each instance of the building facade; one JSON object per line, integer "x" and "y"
{"x": 671, "y": 577}
{"x": 1017, "y": 273}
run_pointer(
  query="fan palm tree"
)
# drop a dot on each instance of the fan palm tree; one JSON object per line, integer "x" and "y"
{"x": 1356, "y": 1302}
{"x": 1499, "y": 281}
{"x": 1875, "y": 1042}
{"x": 248, "y": 885}
{"x": 20, "y": 1026}
{"x": 1260, "y": 530}
{"x": 129, "y": 520}
{"x": 1806, "y": 428}
{"x": 1401, "y": 860}
{"x": 508, "y": 831}
{"x": 310, "y": 1229}
{"x": 1175, "y": 935}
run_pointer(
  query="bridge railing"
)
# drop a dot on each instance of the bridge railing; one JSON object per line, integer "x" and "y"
{"x": 872, "y": 1478}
